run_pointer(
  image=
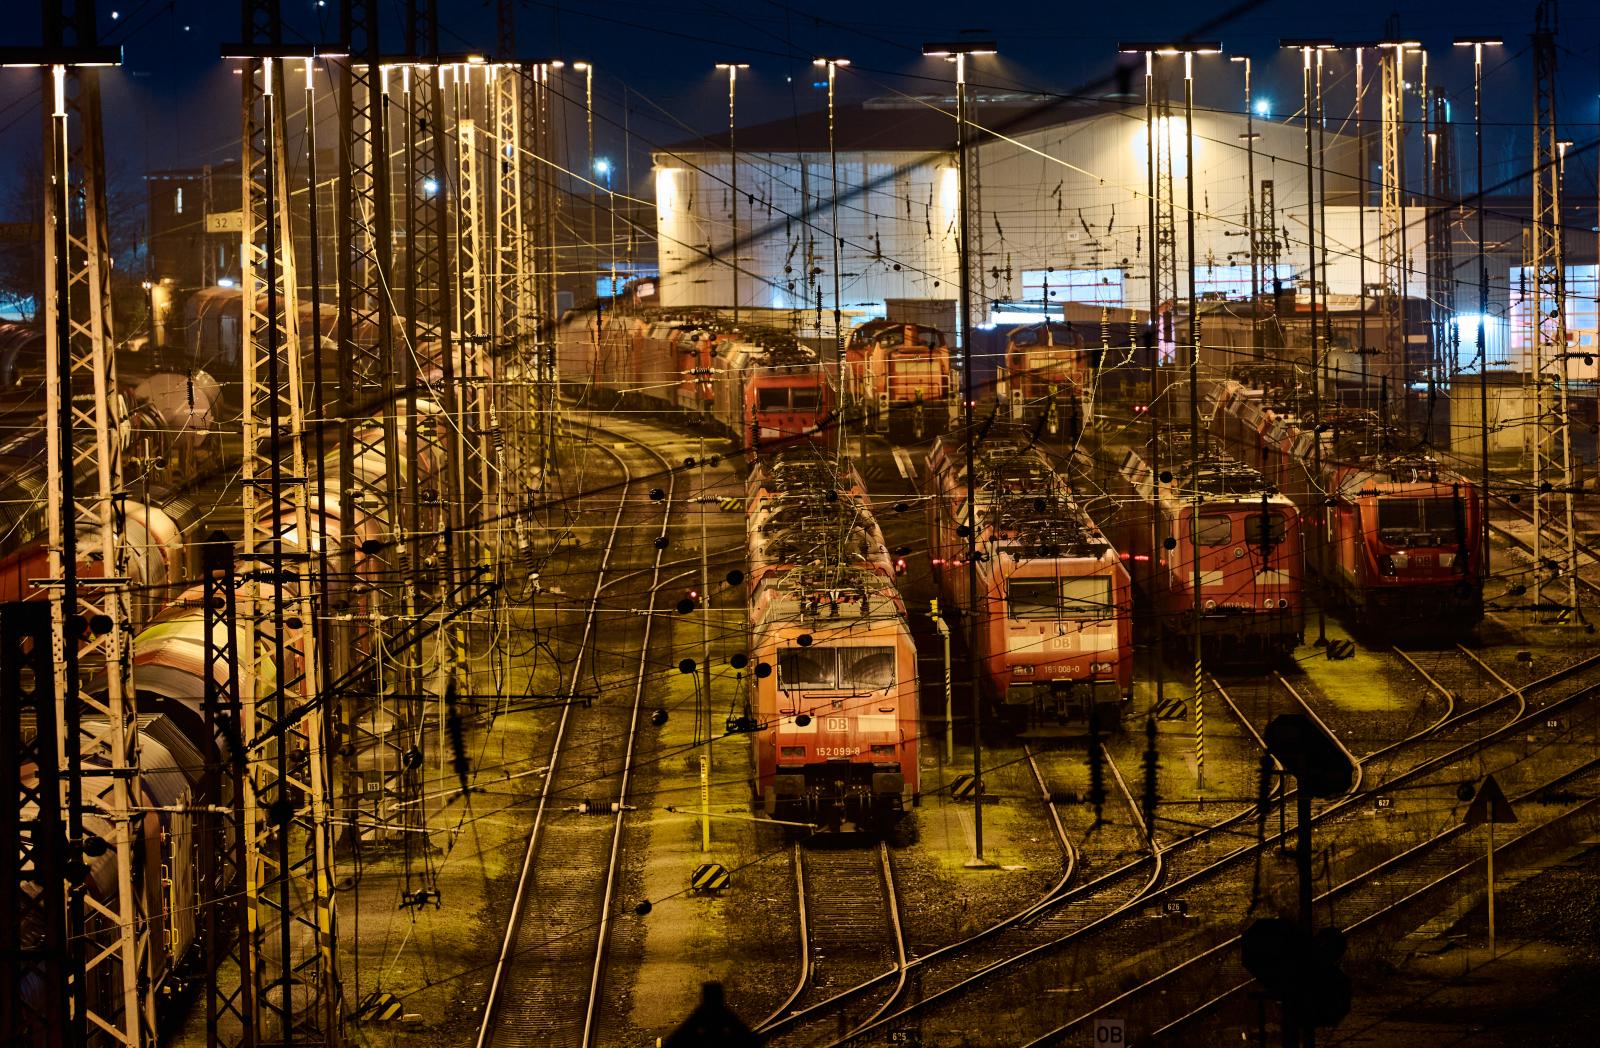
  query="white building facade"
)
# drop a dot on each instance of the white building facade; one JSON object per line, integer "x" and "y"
{"x": 1060, "y": 211}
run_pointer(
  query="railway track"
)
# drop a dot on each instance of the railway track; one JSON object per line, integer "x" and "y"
{"x": 1519, "y": 532}
{"x": 860, "y": 1006}
{"x": 1128, "y": 951}
{"x": 1376, "y": 907}
{"x": 556, "y": 936}
{"x": 1462, "y": 679}
{"x": 850, "y": 924}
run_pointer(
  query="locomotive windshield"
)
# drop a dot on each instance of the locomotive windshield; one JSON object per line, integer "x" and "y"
{"x": 1072, "y": 597}
{"x": 1417, "y": 521}
{"x": 770, "y": 398}
{"x": 1214, "y": 529}
{"x": 804, "y": 399}
{"x": 840, "y": 669}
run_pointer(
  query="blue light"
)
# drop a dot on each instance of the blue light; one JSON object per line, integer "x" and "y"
{"x": 225, "y": 282}
{"x": 602, "y": 166}
{"x": 1263, "y": 107}
{"x": 430, "y": 186}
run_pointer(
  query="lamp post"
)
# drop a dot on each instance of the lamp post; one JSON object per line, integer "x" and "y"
{"x": 1307, "y": 48}
{"x": 733, "y": 181}
{"x": 1153, "y": 563}
{"x": 602, "y": 167}
{"x": 1188, "y": 51}
{"x": 1362, "y": 349}
{"x": 1250, "y": 207}
{"x": 1478, "y": 44}
{"x": 833, "y": 65}
{"x": 587, "y": 69}
{"x": 959, "y": 53}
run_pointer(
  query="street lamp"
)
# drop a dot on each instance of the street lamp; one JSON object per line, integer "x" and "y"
{"x": 1478, "y": 44}
{"x": 1188, "y": 51}
{"x": 1309, "y": 99}
{"x": 1398, "y": 337}
{"x": 733, "y": 181}
{"x": 1250, "y": 206}
{"x": 959, "y": 53}
{"x": 587, "y": 69}
{"x": 833, "y": 65}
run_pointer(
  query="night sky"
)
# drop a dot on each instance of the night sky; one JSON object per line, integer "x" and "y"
{"x": 175, "y": 103}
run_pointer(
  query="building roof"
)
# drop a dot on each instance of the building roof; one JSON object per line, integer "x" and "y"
{"x": 907, "y": 124}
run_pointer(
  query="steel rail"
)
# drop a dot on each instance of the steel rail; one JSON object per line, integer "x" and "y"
{"x": 591, "y": 1017}
{"x": 1355, "y": 762}
{"x": 1447, "y": 880}
{"x": 1143, "y": 892}
{"x": 1069, "y": 856}
{"x": 514, "y": 922}
{"x": 1338, "y": 807}
{"x": 1449, "y": 696}
{"x": 894, "y": 924}
{"x": 805, "y": 945}
{"x": 780, "y": 1024}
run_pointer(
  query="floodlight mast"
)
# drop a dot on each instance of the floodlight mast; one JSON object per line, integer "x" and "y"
{"x": 959, "y": 53}
{"x": 833, "y": 65}
{"x": 732, "y": 69}
{"x": 1478, "y": 43}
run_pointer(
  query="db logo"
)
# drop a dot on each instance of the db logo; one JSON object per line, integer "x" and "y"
{"x": 835, "y": 724}
{"x": 1109, "y": 1032}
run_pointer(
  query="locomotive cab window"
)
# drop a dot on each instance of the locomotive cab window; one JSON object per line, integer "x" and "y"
{"x": 1214, "y": 530}
{"x": 804, "y": 399}
{"x": 1417, "y": 522}
{"x": 846, "y": 669}
{"x": 770, "y": 399}
{"x": 1076, "y": 597}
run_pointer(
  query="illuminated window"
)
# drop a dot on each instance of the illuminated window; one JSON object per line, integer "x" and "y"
{"x": 1234, "y": 281}
{"x": 1582, "y": 321}
{"x": 1100, "y": 287}
{"x": 177, "y": 201}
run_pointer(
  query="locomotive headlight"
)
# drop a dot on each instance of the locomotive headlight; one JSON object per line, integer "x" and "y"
{"x": 1100, "y": 667}
{"x": 1022, "y": 671}
{"x": 1267, "y": 603}
{"x": 1211, "y": 605}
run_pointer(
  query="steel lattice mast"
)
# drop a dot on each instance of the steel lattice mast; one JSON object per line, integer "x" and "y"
{"x": 1165, "y": 243}
{"x": 1391, "y": 215}
{"x": 512, "y": 302}
{"x": 288, "y": 843}
{"x": 1552, "y": 441}
{"x": 107, "y": 939}
{"x": 474, "y": 296}
{"x": 375, "y": 549}
{"x": 1441, "y": 261}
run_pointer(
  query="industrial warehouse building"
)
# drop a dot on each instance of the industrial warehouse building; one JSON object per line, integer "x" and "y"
{"x": 1059, "y": 199}
{"x": 1060, "y": 212}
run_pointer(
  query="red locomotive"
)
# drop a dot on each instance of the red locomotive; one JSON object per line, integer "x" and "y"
{"x": 1400, "y": 537}
{"x": 1245, "y": 533}
{"x": 761, "y": 385}
{"x": 1047, "y": 378}
{"x": 834, "y": 693}
{"x": 898, "y": 380}
{"x": 1053, "y": 630}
